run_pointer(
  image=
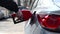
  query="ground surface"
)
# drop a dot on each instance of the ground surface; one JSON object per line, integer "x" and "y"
{"x": 8, "y": 27}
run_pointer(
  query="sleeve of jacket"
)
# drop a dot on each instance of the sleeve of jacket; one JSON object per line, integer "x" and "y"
{"x": 9, "y": 4}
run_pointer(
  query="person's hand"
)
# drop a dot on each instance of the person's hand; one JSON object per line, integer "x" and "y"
{"x": 22, "y": 15}
{"x": 17, "y": 18}
{"x": 19, "y": 15}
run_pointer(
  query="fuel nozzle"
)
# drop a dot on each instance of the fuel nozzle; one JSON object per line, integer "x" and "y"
{"x": 24, "y": 15}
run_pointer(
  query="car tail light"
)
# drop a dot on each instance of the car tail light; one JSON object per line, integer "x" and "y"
{"x": 51, "y": 21}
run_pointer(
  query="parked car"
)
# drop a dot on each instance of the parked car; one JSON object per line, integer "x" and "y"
{"x": 1, "y": 15}
{"x": 4, "y": 14}
{"x": 44, "y": 19}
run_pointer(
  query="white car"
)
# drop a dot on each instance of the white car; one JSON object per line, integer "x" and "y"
{"x": 1, "y": 15}
{"x": 4, "y": 14}
{"x": 46, "y": 19}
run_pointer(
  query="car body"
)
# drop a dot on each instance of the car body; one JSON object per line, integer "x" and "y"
{"x": 35, "y": 27}
{"x": 45, "y": 18}
{"x": 4, "y": 14}
{"x": 1, "y": 15}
